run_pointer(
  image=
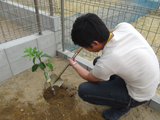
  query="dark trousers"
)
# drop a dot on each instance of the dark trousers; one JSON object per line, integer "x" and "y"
{"x": 111, "y": 93}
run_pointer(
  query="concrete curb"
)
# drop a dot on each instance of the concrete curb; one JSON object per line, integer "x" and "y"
{"x": 153, "y": 103}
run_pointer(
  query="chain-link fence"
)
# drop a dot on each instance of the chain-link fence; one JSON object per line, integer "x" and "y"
{"x": 144, "y": 15}
{"x": 19, "y": 18}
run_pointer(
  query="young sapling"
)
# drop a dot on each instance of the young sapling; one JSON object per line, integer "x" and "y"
{"x": 35, "y": 54}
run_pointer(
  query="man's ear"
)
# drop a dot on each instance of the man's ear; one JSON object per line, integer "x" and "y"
{"x": 95, "y": 43}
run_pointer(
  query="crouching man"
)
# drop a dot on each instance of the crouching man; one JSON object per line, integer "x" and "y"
{"x": 126, "y": 75}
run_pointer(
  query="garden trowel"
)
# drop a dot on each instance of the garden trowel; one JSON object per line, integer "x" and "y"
{"x": 55, "y": 80}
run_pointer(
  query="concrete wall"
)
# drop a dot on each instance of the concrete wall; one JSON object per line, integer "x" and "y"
{"x": 11, "y": 62}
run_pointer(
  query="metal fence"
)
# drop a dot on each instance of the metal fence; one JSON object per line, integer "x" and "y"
{"x": 144, "y": 15}
{"x": 19, "y": 18}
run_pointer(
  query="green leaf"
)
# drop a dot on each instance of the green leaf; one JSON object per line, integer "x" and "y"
{"x": 42, "y": 65}
{"x": 32, "y": 56}
{"x": 50, "y": 66}
{"x": 40, "y": 53}
{"x": 27, "y": 50}
{"x": 49, "y": 61}
{"x": 37, "y": 54}
{"x": 34, "y": 60}
{"x": 34, "y": 67}
{"x": 26, "y": 55}
{"x": 30, "y": 49}
{"x": 34, "y": 50}
{"x": 45, "y": 55}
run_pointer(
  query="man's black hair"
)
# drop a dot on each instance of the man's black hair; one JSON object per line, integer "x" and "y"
{"x": 88, "y": 28}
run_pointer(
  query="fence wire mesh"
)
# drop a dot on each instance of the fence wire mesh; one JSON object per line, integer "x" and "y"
{"x": 18, "y": 17}
{"x": 145, "y": 18}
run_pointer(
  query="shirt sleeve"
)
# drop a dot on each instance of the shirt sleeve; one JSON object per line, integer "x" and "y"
{"x": 102, "y": 72}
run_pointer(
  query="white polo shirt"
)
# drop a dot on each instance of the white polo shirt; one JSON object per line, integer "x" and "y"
{"x": 129, "y": 56}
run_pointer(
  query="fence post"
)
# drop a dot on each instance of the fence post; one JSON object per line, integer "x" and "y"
{"x": 62, "y": 20}
{"x": 51, "y": 7}
{"x": 158, "y": 6}
{"x": 37, "y": 17}
{"x": 2, "y": 32}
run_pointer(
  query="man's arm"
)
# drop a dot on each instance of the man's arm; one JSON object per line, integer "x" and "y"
{"x": 84, "y": 73}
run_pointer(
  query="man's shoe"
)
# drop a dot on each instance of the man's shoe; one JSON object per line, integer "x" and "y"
{"x": 114, "y": 114}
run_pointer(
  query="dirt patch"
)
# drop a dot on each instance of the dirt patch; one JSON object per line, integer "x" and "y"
{"x": 23, "y": 97}
{"x": 64, "y": 106}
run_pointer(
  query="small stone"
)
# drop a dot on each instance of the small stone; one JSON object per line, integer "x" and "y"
{"x": 57, "y": 104}
{"x": 63, "y": 115}
{"x": 21, "y": 110}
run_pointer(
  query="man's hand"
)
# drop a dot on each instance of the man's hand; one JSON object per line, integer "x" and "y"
{"x": 83, "y": 72}
{"x": 71, "y": 61}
